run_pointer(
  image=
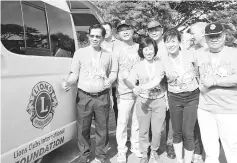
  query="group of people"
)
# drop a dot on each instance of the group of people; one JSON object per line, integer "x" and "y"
{"x": 198, "y": 85}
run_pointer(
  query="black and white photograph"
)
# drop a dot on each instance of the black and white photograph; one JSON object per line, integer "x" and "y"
{"x": 118, "y": 81}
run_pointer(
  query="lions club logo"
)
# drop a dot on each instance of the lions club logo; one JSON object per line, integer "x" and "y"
{"x": 41, "y": 105}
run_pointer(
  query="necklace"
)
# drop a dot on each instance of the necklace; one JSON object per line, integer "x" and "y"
{"x": 179, "y": 68}
{"x": 96, "y": 60}
{"x": 151, "y": 71}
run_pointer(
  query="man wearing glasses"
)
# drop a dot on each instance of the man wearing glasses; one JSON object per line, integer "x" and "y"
{"x": 217, "y": 110}
{"x": 155, "y": 31}
{"x": 127, "y": 57}
{"x": 95, "y": 71}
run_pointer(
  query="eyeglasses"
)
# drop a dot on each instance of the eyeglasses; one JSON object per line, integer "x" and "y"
{"x": 213, "y": 36}
{"x": 96, "y": 36}
{"x": 124, "y": 28}
{"x": 154, "y": 29}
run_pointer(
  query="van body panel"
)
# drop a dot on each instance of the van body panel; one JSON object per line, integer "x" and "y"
{"x": 33, "y": 150}
{"x": 19, "y": 81}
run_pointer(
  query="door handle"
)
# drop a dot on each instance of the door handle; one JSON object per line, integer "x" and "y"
{"x": 3, "y": 64}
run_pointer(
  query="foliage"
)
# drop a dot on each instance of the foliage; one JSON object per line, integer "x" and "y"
{"x": 172, "y": 14}
{"x": 9, "y": 30}
{"x": 228, "y": 17}
{"x": 169, "y": 13}
{"x": 65, "y": 42}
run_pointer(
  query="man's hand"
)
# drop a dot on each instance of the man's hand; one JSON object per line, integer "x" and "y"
{"x": 65, "y": 85}
{"x": 208, "y": 82}
{"x": 107, "y": 84}
{"x": 137, "y": 90}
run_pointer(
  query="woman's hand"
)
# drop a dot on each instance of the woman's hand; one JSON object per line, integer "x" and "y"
{"x": 137, "y": 90}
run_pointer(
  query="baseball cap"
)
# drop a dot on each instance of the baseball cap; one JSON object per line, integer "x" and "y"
{"x": 153, "y": 24}
{"x": 124, "y": 22}
{"x": 214, "y": 28}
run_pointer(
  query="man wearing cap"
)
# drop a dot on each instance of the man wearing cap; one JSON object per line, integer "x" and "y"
{"x": 127, "y": 57}
{"x": 155, "y": 31}
{"x": 217, "y": 112}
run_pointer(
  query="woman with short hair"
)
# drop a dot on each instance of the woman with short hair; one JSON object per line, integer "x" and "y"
{"x": 150, "y": 101}
{"x": 183, "y": 94}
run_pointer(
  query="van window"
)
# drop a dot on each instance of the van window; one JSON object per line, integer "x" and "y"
{"x": 12, "y": 34}
{"x": 61, "y": 30}
{"x": 82, "y": 22}
{"x": 37, "y": 18}
{"x": 36, "y": 30}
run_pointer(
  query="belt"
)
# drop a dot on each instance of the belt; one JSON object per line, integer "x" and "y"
{"x": 97, "y": 94}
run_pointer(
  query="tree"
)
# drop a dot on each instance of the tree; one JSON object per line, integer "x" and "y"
{"x": 65, "y": 42}
{"x": 179, "y": 13}
{"x": 9, "y": 30}
{"x": 228, "y": 18}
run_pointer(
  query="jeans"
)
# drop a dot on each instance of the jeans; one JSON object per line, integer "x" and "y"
{"x": 150, "y": 112}
{"x": 215, "y": 126}
{"x": 126, "y": 110}
{"x": 197, "y": 140}
{"x": 115, "y": 107}
{"x": 183, "y": 112}
{"x": 87, "y": 107}
{"x": 166, "y": 133}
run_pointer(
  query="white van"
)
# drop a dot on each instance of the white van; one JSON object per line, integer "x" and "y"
{"x": 38, "y": 39}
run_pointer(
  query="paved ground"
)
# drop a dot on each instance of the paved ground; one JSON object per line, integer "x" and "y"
{"x": 68, "y": 153}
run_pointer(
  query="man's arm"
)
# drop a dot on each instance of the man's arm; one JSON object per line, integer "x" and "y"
{"x": 230, "y": 81}
{"x": 72, "y": 78}
{"x": 113, "y": 71}
{"x": 112, "y": 76}
{"x": 74, "y": 74}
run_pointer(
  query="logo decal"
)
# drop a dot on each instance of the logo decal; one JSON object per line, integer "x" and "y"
{"x": 213, "y": 26}
{"x": 41, "y": 105}
{"x": 123, "y": 22}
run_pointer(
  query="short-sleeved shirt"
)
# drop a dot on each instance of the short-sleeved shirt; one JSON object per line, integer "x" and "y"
{"x": 91, "y": 75}
{"x": 218, "y": 99}
{"x": 127, "y": 57}
{"x": 139, "y": 72}
{"x": 162, "y": 51}
{"x": 111, "y": 46}
{"x": 181, "y": 81}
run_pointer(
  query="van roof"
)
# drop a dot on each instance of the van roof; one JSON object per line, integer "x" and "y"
{"x": 68, "y": 5}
